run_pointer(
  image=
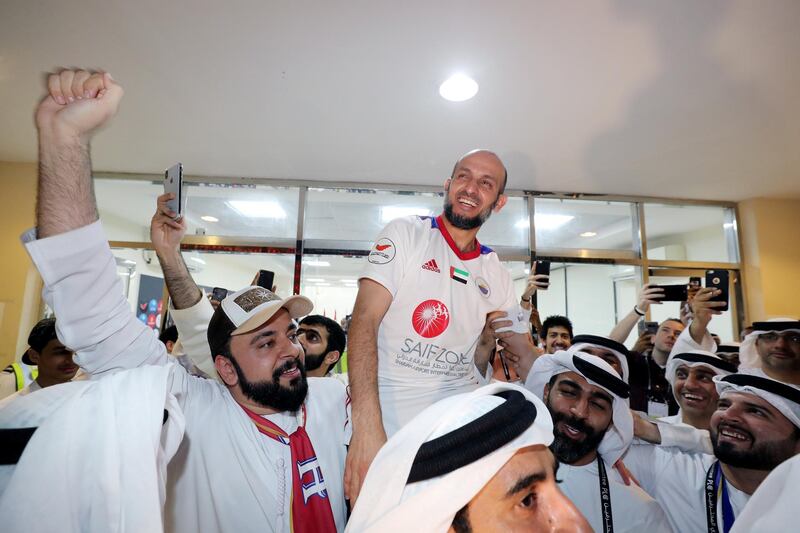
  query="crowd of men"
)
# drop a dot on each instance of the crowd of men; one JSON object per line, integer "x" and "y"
{"x": 233, "y": 420}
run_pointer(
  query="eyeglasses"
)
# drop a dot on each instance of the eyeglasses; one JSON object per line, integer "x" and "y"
{"x": 790, "y": 337}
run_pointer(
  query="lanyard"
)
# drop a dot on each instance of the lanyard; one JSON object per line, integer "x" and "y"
{"x": 716, "y": 490}
{"x": 605, "y": 497}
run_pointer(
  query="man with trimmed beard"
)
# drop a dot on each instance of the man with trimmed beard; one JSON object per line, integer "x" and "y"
{"x": 755, "y": 428}
{"x": 323, "y": 342}
{"x": 593, "y": 427}
{"x": 264, "y": 449}
{"x": 422, "y": 305}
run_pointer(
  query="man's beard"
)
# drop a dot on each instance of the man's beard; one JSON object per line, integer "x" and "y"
{"x": 568, "y": 450}
{"x": 271, "y": 393}
{"x": 465, "y": 222}
{"x": 313, "y": 362}
{"x": 760, "y": 456}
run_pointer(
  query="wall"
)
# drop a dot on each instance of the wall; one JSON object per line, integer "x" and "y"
{"x": 20, "y": 284}
{"x": 770, "y": 232}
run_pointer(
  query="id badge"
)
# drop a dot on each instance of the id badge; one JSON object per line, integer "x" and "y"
{"x": 657, "y": 409}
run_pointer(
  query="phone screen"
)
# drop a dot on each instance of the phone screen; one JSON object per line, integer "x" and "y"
{"x": 542, "y": 267}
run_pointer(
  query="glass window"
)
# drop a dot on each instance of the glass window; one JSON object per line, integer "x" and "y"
{"x": 331, "y": 282}
{"x": 508, "y": 230}
{"x": 583, "y": 224}
{"x": 261, "y": 213}
{"x": 350, "y": 219}
{"x": 594, "y": 297}
{"x": 690, "y": 233}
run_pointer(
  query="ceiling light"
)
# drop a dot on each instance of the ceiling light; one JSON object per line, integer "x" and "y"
{"x": 209, "y": 218}
{"x": 315, "y": 280}
{"x": 391, "y": 212}
{"x": 458, "y": 88}
{"x": 548, "y": 221}
{"x": 348, "y": 281}
{"x": 323, "y": 284}
{"x": 527, "y": 271}
{"x": 315, "y": 263}
{"x": 257, "y": 209}
{"x": 522, "y": 223}
{"x": 588, "y": 234}
{"x": 197, "y": 260}
{"x": 729, "y": 225}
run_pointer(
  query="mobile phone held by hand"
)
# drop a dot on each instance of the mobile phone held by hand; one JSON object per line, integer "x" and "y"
{"x": 673, "y": 293}
{"x": 542, "y": 267}
{"x": 719, "y": 279}
{"x": 266, "y": 279}
{"x": 173, "y": 182}
{"x": 219, "y": 294}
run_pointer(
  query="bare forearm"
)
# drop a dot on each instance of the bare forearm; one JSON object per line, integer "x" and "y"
{"x": 624, "y": 327}
{"x": 66, "y": 198}
{"x": 183, "y": 291}
{"x": 698, "y": 329}
{"x": 362, "y": 356}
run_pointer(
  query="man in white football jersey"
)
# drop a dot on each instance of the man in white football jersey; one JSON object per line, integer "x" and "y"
{"x": 422, "y": 304}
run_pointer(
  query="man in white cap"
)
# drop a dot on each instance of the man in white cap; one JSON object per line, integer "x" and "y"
{"x": 264, "y": 449}
{"x": 691, "y": 375}
{"x": 593, "y": 427}
{"x": 473, "y": 462}
{"x": 754, "y": 429}
{"x": 773, "y": 350}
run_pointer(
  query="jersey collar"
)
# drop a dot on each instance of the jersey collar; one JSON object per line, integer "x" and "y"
{"x": 476, "y": 252}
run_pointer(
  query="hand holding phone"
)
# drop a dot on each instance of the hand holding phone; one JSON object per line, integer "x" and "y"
{"x": 719, "y": 279}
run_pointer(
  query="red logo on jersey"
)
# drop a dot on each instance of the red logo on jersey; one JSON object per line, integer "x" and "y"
{"x": 430, "y": 318}
{"x": 382, "y": 247}
{"x": 432, "y": 266}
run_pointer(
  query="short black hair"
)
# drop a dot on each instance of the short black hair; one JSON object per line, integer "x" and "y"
{"x": 337, "y": 339}
{"x": 556, "y": 320}
{"x": 43, "y": 332}
{"x": 169, "y": 334}
{"x": 461, "y": 521}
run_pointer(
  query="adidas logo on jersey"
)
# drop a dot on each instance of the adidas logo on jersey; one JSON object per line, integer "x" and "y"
{"x": 432, "y": 266}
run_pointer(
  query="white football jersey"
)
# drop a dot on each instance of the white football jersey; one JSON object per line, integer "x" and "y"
{"x": 441, "y": 296}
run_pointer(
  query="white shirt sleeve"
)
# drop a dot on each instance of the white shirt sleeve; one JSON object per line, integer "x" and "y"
{"x": 685, "y": 343}
{"x": 685, "y": 438}
{"x": 387, "y": 259}
{"x": 94, "y": 319}
{"x": 192, "y": 324}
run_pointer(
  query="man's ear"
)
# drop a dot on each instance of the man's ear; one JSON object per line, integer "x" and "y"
{"x": 501, "y": 202}
{"x": 447, "y": 184}
{"x": 546, "y": 395}
{"x": 226, "y": 371}
{"x": 34, "y": 356}
{"x": 331, "y": 358}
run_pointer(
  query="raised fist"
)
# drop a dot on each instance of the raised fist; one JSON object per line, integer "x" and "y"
{"x": 77, "y": 103}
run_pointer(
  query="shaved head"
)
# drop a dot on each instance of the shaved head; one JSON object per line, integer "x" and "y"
{"x": 486, "y": 152}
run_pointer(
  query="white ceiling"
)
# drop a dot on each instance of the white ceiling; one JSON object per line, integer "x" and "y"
{"x": 679, "y": 98}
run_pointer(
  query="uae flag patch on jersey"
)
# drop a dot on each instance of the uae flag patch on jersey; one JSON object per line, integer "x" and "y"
{"x": 459, "y": 275}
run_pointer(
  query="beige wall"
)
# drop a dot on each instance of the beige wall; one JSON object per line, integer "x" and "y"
{"x": 771, "y": 257}
{"x": 20, "y": 284}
